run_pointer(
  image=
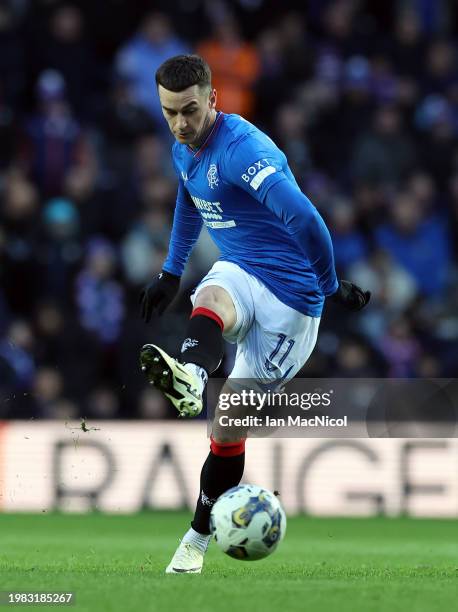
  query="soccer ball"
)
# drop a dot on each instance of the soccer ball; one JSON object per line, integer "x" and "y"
{"x": 248, "y": 522}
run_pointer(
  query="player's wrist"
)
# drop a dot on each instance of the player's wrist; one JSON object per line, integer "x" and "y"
{"x": 169, "y": 276}
{"x": 330, "y": 292}
{"x": 337, "y": 293}
{"x": 351, "y": 296}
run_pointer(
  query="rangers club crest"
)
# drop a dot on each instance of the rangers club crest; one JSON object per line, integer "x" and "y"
{"x": 212, "y": 176}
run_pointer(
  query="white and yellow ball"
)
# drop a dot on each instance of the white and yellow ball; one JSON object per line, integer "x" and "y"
{"x": 248, "y": 522}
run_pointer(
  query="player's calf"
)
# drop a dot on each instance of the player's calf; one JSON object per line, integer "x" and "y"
{"x": 222, "y": 470}
{"x": 203, "y": 345}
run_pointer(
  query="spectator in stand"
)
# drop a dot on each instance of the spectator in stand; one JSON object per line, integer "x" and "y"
{"x": 4, "y": 311}
{"x": 401, "y": 349}
{"x": 101, "y": 206}
{"x": 64, "y": 47}
{"x": 290, "y": 131}
{"x": 62, "y": 343}
{"x": 338, "y": 35}
{"x": 19, "y": 221}
{"x": 60, "y": 250}
{"x": 407, "y": 47}
{"x": 385, "y": 86}
{"x": 355, "y": 359}
{"x": 17, "y": 364}
{"x": 453, "y": 212}
{"x": 297, "y": 51}
{"x": 338, "y": 124}
{"x": 54, "y": 140}
{"x": 350, "y": 245}
{"x": 271, "y": 86}
{"x": 370, "y": 202}
{"x": 124, "y": 121}
{"x": 147, "y": 240}
{"x": 438, "y": 144}
{"x": 385, "y": 154}
{"x": 100, "y": 302}
{"x": 418, "y": 243}
{"x": 47, "y": 394}
{"x": 139, "y": 58}
{"x": 422, "y": 186}
{"x": 152, "y": 405}
{"x": 393, "y": 290}
{"x": 102, "y": 403}
{"x": 235, "y": 68}
{"x": 7, "y": 131}
{"x": 99, "y": 297}
{"x": 12, "y": 59}
{"x": 149, "y": 159}
{"x": 441, "y": 72}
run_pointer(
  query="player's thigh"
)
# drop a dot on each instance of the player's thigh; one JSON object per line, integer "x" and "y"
{"x": 234, "y": 281}
{"x": 278, "y": 343}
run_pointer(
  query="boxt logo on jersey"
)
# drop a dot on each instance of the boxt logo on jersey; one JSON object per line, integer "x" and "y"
{"x": 257, "y": 172}
{"x": 212, "y": 176}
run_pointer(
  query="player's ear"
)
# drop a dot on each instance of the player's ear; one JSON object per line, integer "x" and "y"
{"x": 212, "y": 98}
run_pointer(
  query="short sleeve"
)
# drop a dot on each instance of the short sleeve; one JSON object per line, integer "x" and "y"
{"x": 254, "y": 165}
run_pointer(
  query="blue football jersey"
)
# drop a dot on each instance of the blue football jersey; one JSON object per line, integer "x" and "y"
{"x": 226, "y": 182}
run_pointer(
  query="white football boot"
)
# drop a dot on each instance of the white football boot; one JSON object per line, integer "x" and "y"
{"x": 179, "y": 385}
{"x": 186, "y": 560}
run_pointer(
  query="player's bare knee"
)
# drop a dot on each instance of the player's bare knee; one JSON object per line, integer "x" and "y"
{"x": 224, "y": 434}
{"x": 227, "y": 437}
{"x": 219, "y": 301}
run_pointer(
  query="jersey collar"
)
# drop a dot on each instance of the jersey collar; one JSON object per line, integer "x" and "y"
{"x": 197, "y": 152}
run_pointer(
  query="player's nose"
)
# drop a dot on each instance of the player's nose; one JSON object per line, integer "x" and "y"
{"x": 181, "y": 123}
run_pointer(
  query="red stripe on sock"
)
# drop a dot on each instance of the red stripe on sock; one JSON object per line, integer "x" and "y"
{"x": 227, "y": 449}
{"x": 206, "y": 312}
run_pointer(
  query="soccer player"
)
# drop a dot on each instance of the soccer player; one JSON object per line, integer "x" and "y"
{"x": 265, "y": 292}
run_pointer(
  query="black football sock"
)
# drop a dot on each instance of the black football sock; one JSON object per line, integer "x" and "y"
{"x": 219, "y": 473}
{"x": 204, "y": 340}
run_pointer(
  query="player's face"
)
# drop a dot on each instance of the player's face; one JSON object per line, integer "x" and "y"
{"x": 189, "y": 113}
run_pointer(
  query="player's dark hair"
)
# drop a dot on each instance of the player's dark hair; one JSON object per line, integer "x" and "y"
{"x": 183, "y": 71}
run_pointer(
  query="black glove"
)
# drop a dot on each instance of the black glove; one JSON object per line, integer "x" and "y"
{"x": 158, "y": 294}
{"x": 351, "y": 296}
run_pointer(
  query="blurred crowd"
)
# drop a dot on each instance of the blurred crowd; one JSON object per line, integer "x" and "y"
{"x": 362, "y": 98}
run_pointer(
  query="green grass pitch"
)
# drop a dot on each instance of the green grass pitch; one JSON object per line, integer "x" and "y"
{"x": 117, "y": 563}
